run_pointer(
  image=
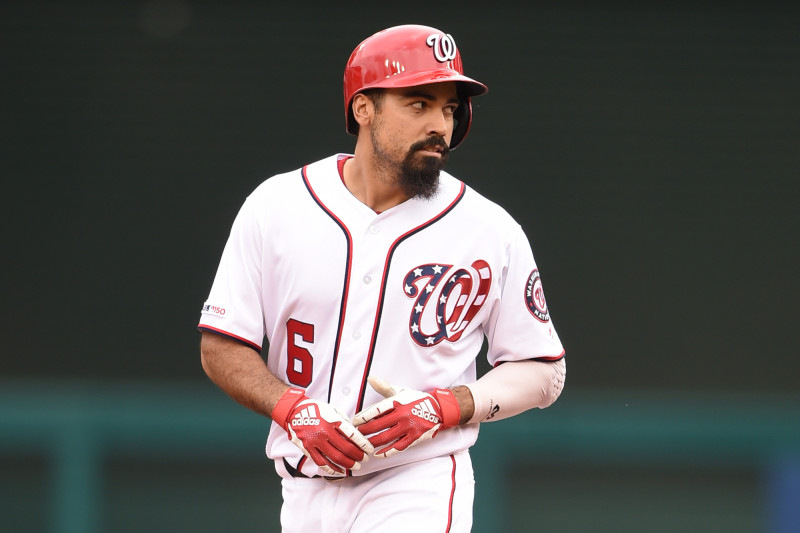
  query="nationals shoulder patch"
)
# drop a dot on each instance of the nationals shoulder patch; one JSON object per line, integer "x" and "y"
{"x": 534, "y": 297}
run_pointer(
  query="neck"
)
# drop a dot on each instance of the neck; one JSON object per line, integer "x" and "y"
{"x": 374, "y": 185}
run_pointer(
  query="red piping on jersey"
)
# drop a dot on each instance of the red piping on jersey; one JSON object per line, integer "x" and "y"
{"x": 452, "y": 495}
{"x": 386, "y": 266}
{"x": 346, "y": 285}
{"x": 550, "y": 358}
{"x": 203, "y": 327}
{"x": 545, "y": 358}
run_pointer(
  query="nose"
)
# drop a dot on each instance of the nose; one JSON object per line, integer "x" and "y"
{"x": 438, "y": 123}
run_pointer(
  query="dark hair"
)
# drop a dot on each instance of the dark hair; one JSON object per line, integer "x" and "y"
{"x": 376, "y": 95}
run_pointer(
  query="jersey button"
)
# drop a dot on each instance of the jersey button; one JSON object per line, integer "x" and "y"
{"x": 367, "y": 279}
{"x": 356, "y": 335}
{"x": 374, "y": 229}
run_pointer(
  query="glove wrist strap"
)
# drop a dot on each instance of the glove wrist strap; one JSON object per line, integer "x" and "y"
{"x": 283, "y": 408}
{"x": 451, "y": 412}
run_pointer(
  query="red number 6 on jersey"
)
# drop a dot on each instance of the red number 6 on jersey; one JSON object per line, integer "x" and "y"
{"x": 300, "y": 364}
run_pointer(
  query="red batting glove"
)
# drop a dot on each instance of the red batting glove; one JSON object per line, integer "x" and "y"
{"x": 322, "y": 432}
{"x": 406, "y": 417}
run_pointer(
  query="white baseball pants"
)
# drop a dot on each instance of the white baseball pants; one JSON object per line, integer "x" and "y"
{"x": 431, "y": 496}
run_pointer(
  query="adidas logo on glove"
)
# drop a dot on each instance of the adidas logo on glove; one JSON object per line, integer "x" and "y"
{"x": 306, "y": 417}
{"x": 425, "y": 411}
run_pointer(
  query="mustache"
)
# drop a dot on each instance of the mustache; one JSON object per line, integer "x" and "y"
{"x": 431, "y": 142}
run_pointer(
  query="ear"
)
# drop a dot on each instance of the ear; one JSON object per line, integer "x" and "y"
{"x": 363, "y": 109}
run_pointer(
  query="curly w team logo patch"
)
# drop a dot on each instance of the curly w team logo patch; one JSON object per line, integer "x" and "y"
{"x": 534, "y": 297}
{"x": 445, "y": 302}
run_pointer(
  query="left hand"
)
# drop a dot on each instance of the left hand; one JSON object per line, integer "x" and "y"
{"x": 322, "y": 432}
{"x": 405, "y": 417}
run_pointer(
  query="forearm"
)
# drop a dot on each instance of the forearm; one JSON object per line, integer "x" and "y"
{"x": 241, "y": 373}
{"x": 511, "y": 388}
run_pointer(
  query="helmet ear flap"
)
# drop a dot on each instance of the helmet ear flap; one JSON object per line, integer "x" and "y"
{"x": 462, "y": 119}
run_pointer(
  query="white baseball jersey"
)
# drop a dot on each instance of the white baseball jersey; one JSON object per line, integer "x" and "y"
{"x": 341, "y": 293}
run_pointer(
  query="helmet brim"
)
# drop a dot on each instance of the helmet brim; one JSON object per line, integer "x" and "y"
{"x": 467, "y": 87}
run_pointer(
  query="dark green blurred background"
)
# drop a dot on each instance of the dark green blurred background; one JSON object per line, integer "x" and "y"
{"x": 651, "y": 151}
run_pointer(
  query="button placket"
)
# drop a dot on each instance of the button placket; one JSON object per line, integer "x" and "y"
{"x": 369, "y": 256}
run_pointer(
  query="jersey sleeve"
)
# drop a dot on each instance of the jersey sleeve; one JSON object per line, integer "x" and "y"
{"x": 521, "y": 327}
{"x": 233, "y": 307}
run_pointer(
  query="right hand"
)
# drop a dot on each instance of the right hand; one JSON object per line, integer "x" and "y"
{"x": 322, "y": 432}
{"x": 405, "y": 417}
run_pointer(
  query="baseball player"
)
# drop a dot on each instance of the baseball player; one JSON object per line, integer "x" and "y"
{"x": 375, "y": 277}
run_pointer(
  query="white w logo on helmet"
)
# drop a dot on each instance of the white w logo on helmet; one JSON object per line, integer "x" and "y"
{"x": 444, "y": 46}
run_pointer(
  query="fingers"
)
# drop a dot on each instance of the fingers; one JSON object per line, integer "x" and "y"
{"x": 399, "y": 446}
{"x": 389, "y": 431}
{"x": 391, "y": 441}
{"x": 337, "y": 451}
{"x": 406, "y": 441}
{"x": 325, "y": 463}
{"x": 381, "y": 387}
{"x": 390, "y": 434}
{"x": 380, "y": 409}
{"x": 337, "y": 459}
{"x": 394, "y": 440}
{"x": 357, "y": 445}
{"x": 345, "y": 446}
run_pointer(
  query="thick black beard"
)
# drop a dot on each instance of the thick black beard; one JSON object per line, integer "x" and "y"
{"x": 421, "y": 179}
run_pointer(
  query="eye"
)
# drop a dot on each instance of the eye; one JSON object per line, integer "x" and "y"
{"x": 420, "y": 104}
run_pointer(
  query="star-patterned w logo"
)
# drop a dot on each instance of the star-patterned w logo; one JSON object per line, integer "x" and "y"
{"x": 453, "y": 300}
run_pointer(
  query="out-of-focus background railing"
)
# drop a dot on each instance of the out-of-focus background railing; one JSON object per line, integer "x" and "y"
{"x": 102, "y": 458}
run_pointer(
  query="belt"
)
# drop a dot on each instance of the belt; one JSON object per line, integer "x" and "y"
{"x": 297, "y": 473}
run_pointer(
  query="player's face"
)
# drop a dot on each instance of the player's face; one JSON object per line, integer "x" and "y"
{"x": 411, "y": 134}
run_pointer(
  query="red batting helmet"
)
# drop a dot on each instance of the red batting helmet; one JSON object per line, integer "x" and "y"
{"x": 405, "y": 56}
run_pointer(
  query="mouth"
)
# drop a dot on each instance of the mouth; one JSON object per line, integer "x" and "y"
{"x": 433, "y": 150}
